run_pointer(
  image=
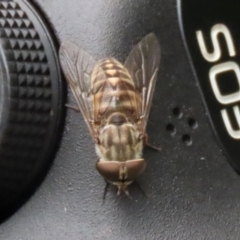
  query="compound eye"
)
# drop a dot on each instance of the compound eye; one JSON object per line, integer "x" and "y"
{"x": 135, "y": 168}
{"x": 109, "y": 170}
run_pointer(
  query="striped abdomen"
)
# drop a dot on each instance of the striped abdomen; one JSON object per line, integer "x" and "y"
{"x": 113, "y": 89}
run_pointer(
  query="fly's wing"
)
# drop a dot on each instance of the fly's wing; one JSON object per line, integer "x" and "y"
{"x": 142, "y": 65}
{"x": 77, "y": 66}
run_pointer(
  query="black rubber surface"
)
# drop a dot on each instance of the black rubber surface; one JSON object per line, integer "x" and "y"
{"x": 195, "y": 194}
{"x": 31, "y": 104}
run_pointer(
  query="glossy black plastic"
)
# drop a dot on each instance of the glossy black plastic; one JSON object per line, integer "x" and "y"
{"x": 207, "y": 17}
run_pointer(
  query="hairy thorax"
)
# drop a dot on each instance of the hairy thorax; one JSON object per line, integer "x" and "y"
{"x": 119, "y": 142}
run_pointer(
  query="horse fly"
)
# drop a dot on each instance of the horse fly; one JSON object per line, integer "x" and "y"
{"x": 115, "y": 100}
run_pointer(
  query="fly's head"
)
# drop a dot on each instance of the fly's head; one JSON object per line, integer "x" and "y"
{"x": 121, "y": 174}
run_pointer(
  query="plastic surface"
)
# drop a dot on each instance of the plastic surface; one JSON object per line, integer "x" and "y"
{"x": 213, "y": 43}
{"x": 194, "y": 192}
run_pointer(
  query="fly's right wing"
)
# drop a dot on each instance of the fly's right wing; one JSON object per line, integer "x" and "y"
{"x": 77, "y": 66}
{"x": 143, "y": 64}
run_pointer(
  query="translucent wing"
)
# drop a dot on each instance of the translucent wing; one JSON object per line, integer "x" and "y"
{"x": 142, "y": 64}
{"x": 77, "y": 66}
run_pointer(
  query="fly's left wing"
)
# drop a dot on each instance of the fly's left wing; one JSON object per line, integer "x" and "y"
{"x": 77, "y": 66}
{"x": 142, "y": 65}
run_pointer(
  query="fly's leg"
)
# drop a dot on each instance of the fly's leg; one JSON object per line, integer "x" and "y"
{"x": 141, "y": 189}
{"x": 75, "y": 108}
{"x": 128, "y": 195}
{"x": 106, "y": 188}
{"x": 149, "y": 145}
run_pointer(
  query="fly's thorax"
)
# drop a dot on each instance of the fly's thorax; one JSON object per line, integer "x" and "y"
{"x": 113, "y": 88}
{"x": 119, "y": 140}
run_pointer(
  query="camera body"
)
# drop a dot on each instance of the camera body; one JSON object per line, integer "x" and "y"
{"x": 194, "y": 118}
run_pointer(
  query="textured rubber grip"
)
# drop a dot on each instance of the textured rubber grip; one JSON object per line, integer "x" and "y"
{"x": 31, "y": 106}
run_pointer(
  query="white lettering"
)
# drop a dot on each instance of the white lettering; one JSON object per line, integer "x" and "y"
{"x": 216, "y": 54}
{"x": 217, "y": 69}
{"x": 233, "y": 133}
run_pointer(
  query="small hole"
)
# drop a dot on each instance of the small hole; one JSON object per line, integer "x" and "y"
{"x": 187, "y": 139}
{"x": 171, "y": 128}
{"x": 177, "y": 112}
{"x": 192, "y": 123}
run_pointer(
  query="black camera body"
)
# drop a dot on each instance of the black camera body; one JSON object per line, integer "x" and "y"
{"x": 192, "y": 184}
